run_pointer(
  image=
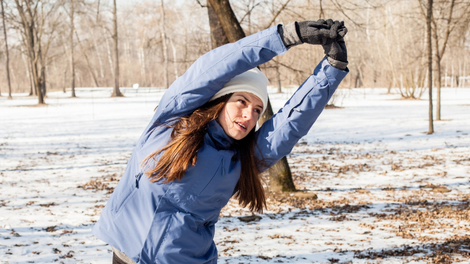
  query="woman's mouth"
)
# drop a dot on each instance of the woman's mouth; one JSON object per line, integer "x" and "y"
{"x": 241, "y": 125}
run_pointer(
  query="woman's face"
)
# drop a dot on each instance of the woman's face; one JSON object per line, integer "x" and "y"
{"x": 240, "y": 114}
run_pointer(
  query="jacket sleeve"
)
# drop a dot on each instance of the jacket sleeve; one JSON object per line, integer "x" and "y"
{"x": 278, "y": 135}
{"x": 212, "y": 70}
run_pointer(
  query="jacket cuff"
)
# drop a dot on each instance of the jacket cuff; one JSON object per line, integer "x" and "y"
{"x": 337, "y": 64}
{"x": 289, "y": 35}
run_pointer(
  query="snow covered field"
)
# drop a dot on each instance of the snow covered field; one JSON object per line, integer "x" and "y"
{"x": 387, "y": 192}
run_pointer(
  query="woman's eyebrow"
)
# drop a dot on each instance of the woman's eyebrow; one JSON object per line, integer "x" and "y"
{"x": 260, "y": 106}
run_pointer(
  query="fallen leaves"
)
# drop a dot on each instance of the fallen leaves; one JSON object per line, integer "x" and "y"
{"x": 50, "y": 228}
{"x": 48, "y": 204}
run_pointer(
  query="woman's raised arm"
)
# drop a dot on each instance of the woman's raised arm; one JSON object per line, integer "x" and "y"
{"x": 212, "y": 70}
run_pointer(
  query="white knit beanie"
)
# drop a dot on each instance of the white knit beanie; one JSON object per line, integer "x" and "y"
{"x": 252, "y": 81}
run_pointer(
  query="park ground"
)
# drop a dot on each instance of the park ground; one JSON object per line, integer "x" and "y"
{"x": 386, "y": 192}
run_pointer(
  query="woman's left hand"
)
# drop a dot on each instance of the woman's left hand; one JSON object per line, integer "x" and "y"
{"x": 319, "y": 32}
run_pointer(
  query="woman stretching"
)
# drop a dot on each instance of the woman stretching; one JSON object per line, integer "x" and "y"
{"x": 201, "y": 146}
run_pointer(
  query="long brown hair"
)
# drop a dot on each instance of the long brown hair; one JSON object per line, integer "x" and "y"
{"x": 187, "y": 138}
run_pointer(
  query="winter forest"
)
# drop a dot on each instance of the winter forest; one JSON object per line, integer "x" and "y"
{"x": 382, "y": 177}
{"x": 157, "y": 41}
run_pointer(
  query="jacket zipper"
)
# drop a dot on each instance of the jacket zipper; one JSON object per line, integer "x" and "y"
{"x": 137, "y": 178}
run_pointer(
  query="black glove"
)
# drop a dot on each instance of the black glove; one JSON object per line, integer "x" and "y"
{"x": 336, "y": 53}
{"x": 318, "y": 32}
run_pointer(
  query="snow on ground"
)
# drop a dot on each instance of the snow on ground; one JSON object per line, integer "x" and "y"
{"x": 387, "y": 191}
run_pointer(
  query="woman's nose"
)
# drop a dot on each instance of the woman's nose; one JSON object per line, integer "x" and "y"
{"x": 248, "y": 113}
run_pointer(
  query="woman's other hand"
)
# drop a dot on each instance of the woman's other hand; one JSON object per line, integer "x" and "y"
{"x": 319, "y": 32}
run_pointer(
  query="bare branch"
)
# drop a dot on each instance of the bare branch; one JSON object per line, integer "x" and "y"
{"x": 278, "y": 13}
{"x": 201, "y": 4}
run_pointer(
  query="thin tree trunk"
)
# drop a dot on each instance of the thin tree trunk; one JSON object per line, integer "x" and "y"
{"x": 36, "y": 78}
{"x": 72, "y": 58}
{"x": 440, "y": 55}
{"x": 166, "y": 81}
{"x": 116, "y": 91}
{"x": 7, "y": 63}
{"x": 278, "y": 74}
{"x": 175, "y": 66}
{"x": 43, "y": 80}
{"x": 90, "y": 69}
{"x": 429, "y": 38}
{"x": 143, "y": 74}
{"x": 98, "y": 57}
{"x": 110, "y": 58}
{"x": 28, "y": 73}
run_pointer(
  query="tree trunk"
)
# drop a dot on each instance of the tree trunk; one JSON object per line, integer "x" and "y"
{"x": 72, "y": 58}
{"x": 98, "y": 55}
{"x": 32, "y": 44}
{"x": 28, "y": 73}
{"x": 34, "y": 58}
{"x": 280, "y": 174}
{"x": 429, "y": 51}
{"x": 175, "y": 66}
{"x": 227, "y": 19}
{"x": 218, "y": 37}
{"x": 43, "y": 80}
{"x": 164, "y": 46}
{"x": 278, "y": 74}
{"x": 440, "y": 54}
{"x": 110, "y": 59}
{"x": 116, "y": 91}
{"x": 7, "y": 63}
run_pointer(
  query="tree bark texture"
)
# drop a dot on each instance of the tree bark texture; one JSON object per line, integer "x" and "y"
{"x": 116, "y": 91}
{"x": 7, "y": 63}
{"x": 227, "y": 19}
{"x": 218, "y": 37}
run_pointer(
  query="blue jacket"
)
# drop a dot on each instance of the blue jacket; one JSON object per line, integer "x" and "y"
{"x": 174, "y": 222}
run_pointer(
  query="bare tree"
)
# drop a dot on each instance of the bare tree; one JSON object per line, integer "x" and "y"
{"x": 385, "y": 50}
{"x": 7, "y": 63}
{"x": 164, "y": 44}
{"x": 450, "y": 22}
{"x": 116, "y": 91}
{"x": 34, "y": 17}
{"x": 28, "y": 14}
{"x": 429, "y": 55}
{"x": 72, "y": 58}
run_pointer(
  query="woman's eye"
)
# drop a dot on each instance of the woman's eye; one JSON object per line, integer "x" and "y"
{"x": 241, "y": 101}
{"x": 258, "y": 111}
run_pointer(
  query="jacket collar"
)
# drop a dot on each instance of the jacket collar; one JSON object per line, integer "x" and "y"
{"x": 220, "y": 139}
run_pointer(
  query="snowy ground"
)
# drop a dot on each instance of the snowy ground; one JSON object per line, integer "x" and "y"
{"x": 387, "y": 191}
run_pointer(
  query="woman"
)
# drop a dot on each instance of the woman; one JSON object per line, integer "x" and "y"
{"x": 201, "y": 147}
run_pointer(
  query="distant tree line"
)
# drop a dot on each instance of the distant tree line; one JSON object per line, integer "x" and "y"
{"x": 60, "y": 44}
